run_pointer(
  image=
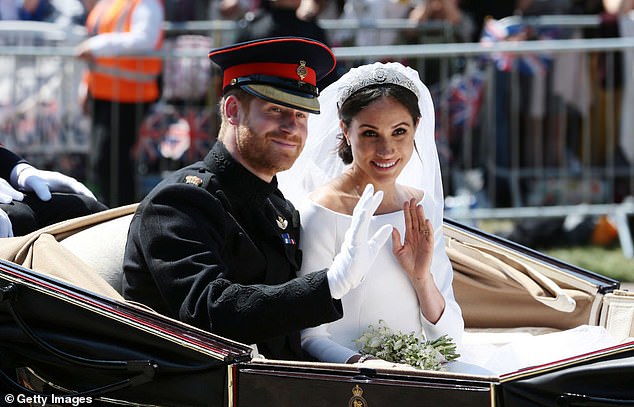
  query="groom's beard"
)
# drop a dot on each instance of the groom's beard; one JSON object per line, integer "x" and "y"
{"x": 263, "y": 154}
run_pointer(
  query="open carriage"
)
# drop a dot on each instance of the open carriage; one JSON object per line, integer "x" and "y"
{"x": 68, "y": 337}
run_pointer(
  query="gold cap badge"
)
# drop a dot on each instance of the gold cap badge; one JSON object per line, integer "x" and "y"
{"x": 301, "y": 70}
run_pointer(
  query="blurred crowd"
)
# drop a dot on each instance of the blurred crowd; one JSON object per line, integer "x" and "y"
{"x": 179, "y": 124}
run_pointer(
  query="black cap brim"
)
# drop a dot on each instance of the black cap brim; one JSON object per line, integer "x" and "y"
{"x": 307, "y": 103}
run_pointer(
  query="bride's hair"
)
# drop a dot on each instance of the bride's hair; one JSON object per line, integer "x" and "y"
{"x": 363, "y": 98}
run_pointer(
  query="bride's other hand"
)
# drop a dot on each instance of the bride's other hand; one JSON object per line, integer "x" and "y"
{"x": 415, "y": 254}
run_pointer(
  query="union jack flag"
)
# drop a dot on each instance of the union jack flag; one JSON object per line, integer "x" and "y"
{"x": 461, "y": 99}
{"x": 465, "y": 99}
{"x": 458, "y": 107}
{"x": 511, "y": 30}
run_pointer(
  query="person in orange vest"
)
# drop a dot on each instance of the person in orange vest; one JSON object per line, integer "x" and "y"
{"x": 31, "y": 198}
{"x": 119, "y": 87}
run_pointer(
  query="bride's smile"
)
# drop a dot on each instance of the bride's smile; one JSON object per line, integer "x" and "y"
{"x": 386, "y": 165}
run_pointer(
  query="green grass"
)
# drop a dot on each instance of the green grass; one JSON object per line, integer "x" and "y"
{"x": 607, "y": 261}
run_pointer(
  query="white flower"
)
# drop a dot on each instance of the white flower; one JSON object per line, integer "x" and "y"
{"x": 375, "y": 342}
{"x": 411, "y": 348}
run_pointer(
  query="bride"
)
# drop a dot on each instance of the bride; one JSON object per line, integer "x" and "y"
{"x": 376, "y": 127}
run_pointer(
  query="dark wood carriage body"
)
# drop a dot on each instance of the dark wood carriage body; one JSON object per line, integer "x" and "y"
{"x": 67, "y": 340}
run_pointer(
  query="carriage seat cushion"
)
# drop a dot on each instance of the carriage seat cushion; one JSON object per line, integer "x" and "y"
{"x": 102, "y": 246}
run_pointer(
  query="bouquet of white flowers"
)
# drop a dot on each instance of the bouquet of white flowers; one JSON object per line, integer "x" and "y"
{"x": 411, "y": 349}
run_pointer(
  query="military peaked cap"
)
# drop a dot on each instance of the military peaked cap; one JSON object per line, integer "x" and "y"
{"x": 282, "y": 70}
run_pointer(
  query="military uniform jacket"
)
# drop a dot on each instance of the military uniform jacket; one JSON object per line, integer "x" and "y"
{"x": 217, "y": 247}
{"x": 8, "y": 160}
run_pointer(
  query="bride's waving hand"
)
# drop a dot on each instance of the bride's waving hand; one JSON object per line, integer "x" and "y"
{"x": 415, "y": 256}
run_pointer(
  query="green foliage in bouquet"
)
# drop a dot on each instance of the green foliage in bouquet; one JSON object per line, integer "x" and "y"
{"x": 411, "y": 349}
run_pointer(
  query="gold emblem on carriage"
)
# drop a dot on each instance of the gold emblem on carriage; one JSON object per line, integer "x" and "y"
{"x": 301, "y": 70}
{"x": 194, "y": 180}
{"x": 357, "y": 399}
{"x": 281, "y": 222}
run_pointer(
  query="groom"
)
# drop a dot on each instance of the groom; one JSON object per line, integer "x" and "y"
{"x": 216, "y": 244}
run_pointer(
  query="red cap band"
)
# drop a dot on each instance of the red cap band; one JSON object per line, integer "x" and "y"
{"x": 289, "y": 71}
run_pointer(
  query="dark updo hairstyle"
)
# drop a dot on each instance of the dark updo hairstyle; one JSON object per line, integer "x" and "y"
{"x": 363, "y": 98}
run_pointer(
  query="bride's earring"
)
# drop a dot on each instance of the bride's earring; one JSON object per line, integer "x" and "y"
{"x": 347, "y": 141}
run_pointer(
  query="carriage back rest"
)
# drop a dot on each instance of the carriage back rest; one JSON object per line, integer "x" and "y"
{"x": 497, "y": 288}
{"x": 102, "y": 246}
{"x": 86, "y": 251}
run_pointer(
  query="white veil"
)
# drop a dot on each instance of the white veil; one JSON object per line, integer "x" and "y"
{"x": 319, "y": 163}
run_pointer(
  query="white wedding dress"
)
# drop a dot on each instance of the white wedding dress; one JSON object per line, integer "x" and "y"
{"x": 385, "y": 294}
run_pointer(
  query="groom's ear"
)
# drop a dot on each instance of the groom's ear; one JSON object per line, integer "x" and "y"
{"x": 232, "y": 108}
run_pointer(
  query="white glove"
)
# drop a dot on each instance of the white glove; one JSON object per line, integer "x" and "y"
{"x": 8, "y": 193}
{"x": 357, "y": 252}
{"x": 6, "y": 228}
{"x": 30, "y": 179}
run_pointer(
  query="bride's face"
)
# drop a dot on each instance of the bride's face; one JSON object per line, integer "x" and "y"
{"x": 381, "y": 137}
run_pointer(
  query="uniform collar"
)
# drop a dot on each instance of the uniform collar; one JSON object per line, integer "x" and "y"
{"x": 236, "y": 179}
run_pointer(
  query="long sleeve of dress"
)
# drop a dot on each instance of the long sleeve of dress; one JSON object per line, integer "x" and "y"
{"x": 451, "y": 322}
{"x": 319, "y": 240}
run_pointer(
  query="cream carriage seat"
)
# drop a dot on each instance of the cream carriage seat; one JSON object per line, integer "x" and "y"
{"x": 86, "y": 252}
{"x": 102, "y": 246}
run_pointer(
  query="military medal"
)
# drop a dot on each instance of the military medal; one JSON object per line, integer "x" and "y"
{"x": 281, "y": 222}
{"x": 194, "y": 180}
{"x": 287, "y": 239}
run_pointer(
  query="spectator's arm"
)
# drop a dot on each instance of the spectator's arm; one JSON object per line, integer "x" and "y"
{"x": 618, "y": 6}
{"x": 146, "y": 30}
{"x": 8, "y": 160}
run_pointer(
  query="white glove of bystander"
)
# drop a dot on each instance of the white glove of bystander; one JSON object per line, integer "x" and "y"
{"x": 42, "y": 183}
{"x": 7, "y": 195}
{"x": 6, "y": 228}
{"x": 357, "y": 251}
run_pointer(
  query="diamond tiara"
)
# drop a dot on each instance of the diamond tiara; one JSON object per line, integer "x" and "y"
{"x": 378, "y": 76}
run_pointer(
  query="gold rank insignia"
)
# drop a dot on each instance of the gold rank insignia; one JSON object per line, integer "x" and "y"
{"x": 357, "y": 399}
{"x": 281, "y": 222}
{"x": 301, "y": 70}
{"x": 194, "y": 180}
